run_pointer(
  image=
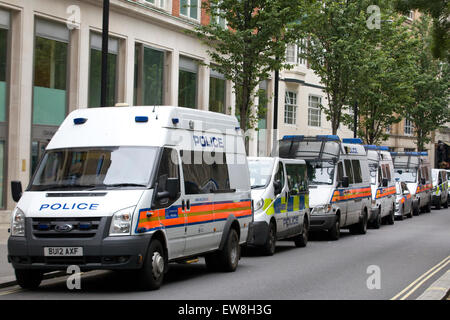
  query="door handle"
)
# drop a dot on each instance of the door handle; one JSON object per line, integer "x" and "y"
{"x": 188, "y": 205}
{"x": 183, "y": 205}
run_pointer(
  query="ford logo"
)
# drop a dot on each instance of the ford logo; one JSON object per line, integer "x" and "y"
{"x": 64, "y": 228}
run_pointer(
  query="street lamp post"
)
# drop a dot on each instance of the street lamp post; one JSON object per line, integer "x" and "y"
{"x": 105, "y": 32}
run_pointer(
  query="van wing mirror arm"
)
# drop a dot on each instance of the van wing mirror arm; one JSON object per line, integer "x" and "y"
{"x": 16, "y": 190}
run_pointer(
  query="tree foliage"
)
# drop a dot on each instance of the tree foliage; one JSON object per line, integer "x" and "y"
{"x": 250, "y": 47}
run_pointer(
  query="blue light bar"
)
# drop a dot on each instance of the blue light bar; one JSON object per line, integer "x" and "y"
{"x": 141, "y": 119}
{"x": 394, "y": 153}
{"x": 370, "y": 147}
{"x": 352, "y": 140}
{"x": 175, "y": 120}
{"x": 79, "y": 120}
{"x": 295, "y": 137}
{"x": 328, "y": 137}
{"x": 424, "y": 153}
{"x": 383, "y": 148}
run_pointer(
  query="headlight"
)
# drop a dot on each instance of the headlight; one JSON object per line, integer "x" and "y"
{"x": 121, "y": 222}
{"x": 322, "y": 209}
{"x": 259, "y": 204}
{"x": 18, "y": 223}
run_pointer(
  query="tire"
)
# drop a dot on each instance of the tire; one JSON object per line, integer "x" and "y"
{"x": 410, "y": 214}
{"x": 416, "y": 210}
{"x": 390, "y": 219}
{"x": 377, "y": 222}
{"x": 428, "y": 207}
{"x": 438, "y": 204}
{"x": 302, "y": 240}
{"x": 29, "y": 279}
{"x": 402, "y": 215}
{"x": 229, "y": 256}
{"x": 269, "y": 247}
{"x": 335, "y": 232}
{"x": 446, "y": 204}
{"x": 361, "y": 226}
{"x": 151, "y": 274}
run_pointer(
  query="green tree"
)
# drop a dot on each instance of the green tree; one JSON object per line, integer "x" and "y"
{"x": 429, "y": 106}
{"x": 337, "y": 31}
{"x": 382, "y": 85}
{"x": 250, "y": 46}
{"x": 439, "y": 10}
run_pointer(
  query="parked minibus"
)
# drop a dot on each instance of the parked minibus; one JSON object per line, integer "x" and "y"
{"x": 134, "y": 188}
{"x": 281, "y": 203}
{"x": 440, "y": 188}
{"x": 339, "y": 181}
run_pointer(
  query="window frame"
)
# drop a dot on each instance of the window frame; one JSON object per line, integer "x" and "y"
{"x": 312, "y": 109}
{"x": 292, "y": 103}
{"x": 188, "y": 8}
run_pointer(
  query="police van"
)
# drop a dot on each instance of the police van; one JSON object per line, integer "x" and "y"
{"x": 440, "y": 188}
{"x": 280, "y": 197}
{"x": 339, "y": 181}
{"x": 134, "y": 188}
{"x": 414, "y": 169}
{"x": 383, "y": 185}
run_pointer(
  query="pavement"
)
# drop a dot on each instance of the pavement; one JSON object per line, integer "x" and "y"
{"x": 404, "y": 259}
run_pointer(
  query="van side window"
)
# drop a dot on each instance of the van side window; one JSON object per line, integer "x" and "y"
{"x": 205, "y": 172}
{"x": 340, "y": 172}
{"x": 296, "y": 178}
{"x": 380, "y": 175}
{"x": 388, "y": 172}
{"x": 349, "y": 171}
{"x": 357, "y": 175}
{"x": 279, "y": 176}
{"x": 168, "y": 176}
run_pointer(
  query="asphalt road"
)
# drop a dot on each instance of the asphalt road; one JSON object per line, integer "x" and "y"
{"x": 323, "y": 270}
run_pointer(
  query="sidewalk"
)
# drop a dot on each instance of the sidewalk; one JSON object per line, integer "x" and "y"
{"x": 6, "y": 271}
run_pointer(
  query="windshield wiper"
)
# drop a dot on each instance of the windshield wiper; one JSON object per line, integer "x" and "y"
{"x": 117, "y": 185}
{"x": 258, "y": 186}
{"x": 62, "y": 186}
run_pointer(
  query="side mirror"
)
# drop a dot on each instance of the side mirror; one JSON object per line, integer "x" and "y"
{"x": 385, "y": 182}
{"x": 16, "y": 190}
{"x": 277, "y": 187}
{"x": 171, "y": 191}
{"x": 345, "y": 182}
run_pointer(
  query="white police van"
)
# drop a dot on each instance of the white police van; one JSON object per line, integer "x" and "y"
{"x": 134, "y": 188}
{"x": 339, "y": 181}
{"x": 440, "y": 188}
{"x": 414, "y": 169}
{"x": 280, "y": 197}
{"x": 382, "y": 181}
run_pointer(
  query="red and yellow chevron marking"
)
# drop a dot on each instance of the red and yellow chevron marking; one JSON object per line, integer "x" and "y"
{"x": 155, "y": 219}
{"x": 351, "y": 194}
{"x": 404, "y": 198}
{"x": 424, "y": 188}
{"x": 384, "y": 192}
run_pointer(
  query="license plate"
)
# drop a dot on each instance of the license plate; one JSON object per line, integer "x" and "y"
{"x": 63, "y": 251}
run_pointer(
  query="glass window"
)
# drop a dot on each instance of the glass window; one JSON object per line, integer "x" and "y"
{"x": 149, "y": 76}
{"x": 357, "y": 175}
{"x": 2, "y": 173}
{"x": 95, "y": 71}
{"x": 95, "y": 168}
{"x": 290, "y": 108}
{"x": 189, "y": 8}
{"x": 168, "y": 172}
{"x": 349, "y": 171}
{"x": 3, "y": 62}
{"x": 205, "y": 172}
{"x": 158, "y": 3}
{"x": 260, "y": 172}
{"x": 320, "y": 172}
{"x": 314, "y": 112}
{"x": 217, "y": 88}
{"x": 50, "y": 73}
{"x": 297, "y": 178}
{"x": 408, "y": 127}
{"x": 187, "y": 88}
{"x": 279, "y": 176}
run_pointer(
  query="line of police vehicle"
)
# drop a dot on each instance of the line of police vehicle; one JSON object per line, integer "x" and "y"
{"x": 137, "y": 188}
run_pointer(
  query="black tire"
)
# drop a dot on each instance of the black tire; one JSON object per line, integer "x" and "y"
{"x": 446, "y": 204}
{"x": 438, "y": 204}
{"x": 416, "y": 210}
{"x": 302, "y": 240}
{"x": 29, "y": 279}
{"x": 270, "y": 245}
{"x": 361, "y": 226}
{"x": 151, "y": 275}
{"x": 335, "y": 232}
{"x": 390, "y": 219}
{"x": 377, "y": 222}
{"x": 229, "y": 256}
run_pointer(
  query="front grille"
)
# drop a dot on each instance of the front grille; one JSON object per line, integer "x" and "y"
{"x": 51, "y": 227}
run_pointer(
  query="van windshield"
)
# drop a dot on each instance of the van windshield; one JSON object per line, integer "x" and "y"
{"x": 406, "y": 175}
{"x": 320, "y": 172}
{"x": 260, "y": 172}
{"x": 95, "y": 168}
{"x": 373, "y": 168}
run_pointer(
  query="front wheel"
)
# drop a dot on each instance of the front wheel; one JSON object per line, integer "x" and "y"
{"x": 335, "y": 232}
{"x": 269, "y": 247}
{"x": 229, "y": 256}
{"x": 391, "y": 217}
{"x": 302, "y": 240}
{"x": 361, "y": 227}
{"x": 438, "y": 204}
{"x": 152, "y": 273}
{"x": 29, "y": 279}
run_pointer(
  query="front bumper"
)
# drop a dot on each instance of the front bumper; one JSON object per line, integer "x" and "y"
{"x": 258, "y": 233}
{"x": 99, "y": 252}
{"x": 322, "y": 222}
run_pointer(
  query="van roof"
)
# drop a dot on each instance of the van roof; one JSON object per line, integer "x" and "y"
{"x": 140, "y": 126}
